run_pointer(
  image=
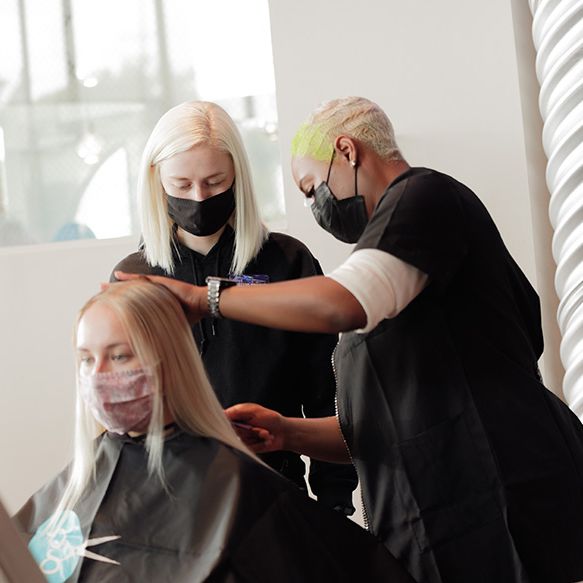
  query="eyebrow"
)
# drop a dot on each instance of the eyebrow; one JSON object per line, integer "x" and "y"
{"x": 113, "y": 345}
{"x": 205, "y": 178}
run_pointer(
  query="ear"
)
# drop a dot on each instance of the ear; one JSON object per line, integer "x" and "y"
{"x": 347, "y": 148}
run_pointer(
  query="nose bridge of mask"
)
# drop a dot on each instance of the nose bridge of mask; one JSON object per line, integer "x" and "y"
{"x": 117, "y": 387}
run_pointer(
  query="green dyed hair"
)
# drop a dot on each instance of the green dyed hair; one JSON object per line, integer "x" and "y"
{"x": 355, "y": 117}
{"x": 312, "y": 140}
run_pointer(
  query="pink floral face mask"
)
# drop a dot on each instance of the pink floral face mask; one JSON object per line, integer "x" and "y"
{"x": 120, "y": 401}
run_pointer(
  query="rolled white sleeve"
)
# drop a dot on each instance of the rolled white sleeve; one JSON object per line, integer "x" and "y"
{"x": 382, "y": 283}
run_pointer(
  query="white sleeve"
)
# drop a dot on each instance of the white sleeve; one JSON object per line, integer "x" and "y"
{"x": 382, "y": 283}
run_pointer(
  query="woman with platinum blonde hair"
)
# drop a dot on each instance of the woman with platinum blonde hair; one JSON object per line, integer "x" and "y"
{"x": 207, "y": 129}
{"x": 168, "y": 492}
{"x": 200, "y": 220}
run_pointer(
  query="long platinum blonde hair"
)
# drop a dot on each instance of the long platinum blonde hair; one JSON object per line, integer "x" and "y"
{"x": 179, "y": 129}
{"x": 162, "y": 341}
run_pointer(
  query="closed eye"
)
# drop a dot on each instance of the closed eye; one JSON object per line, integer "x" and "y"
{"x": 215, "y": 182}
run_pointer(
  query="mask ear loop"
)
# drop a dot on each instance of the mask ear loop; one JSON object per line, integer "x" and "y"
{"x": 355, "y": 166}
{"x": 330, "y": 167}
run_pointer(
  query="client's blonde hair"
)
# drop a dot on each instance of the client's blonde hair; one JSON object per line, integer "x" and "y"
{"x": 162, "y": 341}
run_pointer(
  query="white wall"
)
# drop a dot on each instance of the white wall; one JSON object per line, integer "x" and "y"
{"x": 41, "y": 290}
{"x": 446, "y": 73}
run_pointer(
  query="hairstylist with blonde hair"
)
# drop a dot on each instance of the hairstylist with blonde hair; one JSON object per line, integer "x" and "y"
{"x": 200, "y": 219}
{"x": 471, "y": 470}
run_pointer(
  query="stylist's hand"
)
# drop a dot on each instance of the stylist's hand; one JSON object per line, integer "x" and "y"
{"x": 268, "y": 424}
{"x": 192, "y": 297}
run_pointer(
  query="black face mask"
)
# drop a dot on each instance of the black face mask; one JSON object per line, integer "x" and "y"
{"x": 345, "y": 219}
{"x": 204, "y": 217}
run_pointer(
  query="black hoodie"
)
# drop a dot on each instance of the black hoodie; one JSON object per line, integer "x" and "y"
{"x": 289, "y": 372}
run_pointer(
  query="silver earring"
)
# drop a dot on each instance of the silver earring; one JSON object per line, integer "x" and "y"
{"x": 353, "y": 163}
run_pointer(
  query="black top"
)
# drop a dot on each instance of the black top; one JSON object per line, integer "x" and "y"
{"x": 285, "y": 371}
{"x": 222, "y": 518}
{"x": 471, "y": 469}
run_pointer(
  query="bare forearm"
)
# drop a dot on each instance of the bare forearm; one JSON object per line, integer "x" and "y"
{"x": 311, "y": 304}
{"x": 314, "y": 304}
{"x": 317, "y": 438}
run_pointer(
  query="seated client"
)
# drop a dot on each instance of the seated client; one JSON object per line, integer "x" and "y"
{"x": 168, "y": 492}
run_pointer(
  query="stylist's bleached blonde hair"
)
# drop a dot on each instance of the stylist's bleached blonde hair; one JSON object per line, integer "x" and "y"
{"x": 179, "y": 129}
{"x": 355, "y": 117}
{"x": 162, "y": 341}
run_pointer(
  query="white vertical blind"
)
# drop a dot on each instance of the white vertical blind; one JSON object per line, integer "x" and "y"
{"x": 558, "y": 38}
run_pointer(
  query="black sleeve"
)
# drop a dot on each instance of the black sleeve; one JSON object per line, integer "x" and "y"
{"x": 420, "y": 220}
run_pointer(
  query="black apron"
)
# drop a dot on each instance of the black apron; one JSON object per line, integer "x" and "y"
{"x": 470, "y": 469}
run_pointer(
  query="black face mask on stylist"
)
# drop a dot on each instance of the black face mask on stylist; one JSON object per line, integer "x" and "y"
{"x": 345, "y": 219}
{"x": 202, "y": 217}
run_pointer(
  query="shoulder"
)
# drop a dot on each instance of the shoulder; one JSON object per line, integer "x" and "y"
{"x": 136, "y": 263}
{"x": 260, "y": 482}
{"x": 239, "y": 461}
{"x": 285, "y": 257}
{"x": 221, "y": 457}
{"x": 422, "y": 195}
{"x": 426, "y": 184}
{"x": 287, "y": 243}
{"x": 133, "y": 263}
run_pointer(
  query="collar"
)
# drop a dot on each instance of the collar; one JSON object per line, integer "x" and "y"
{"x": 403, "y": 176}
{"x": 227, "y": 238}
{"x": 171, "y": 430}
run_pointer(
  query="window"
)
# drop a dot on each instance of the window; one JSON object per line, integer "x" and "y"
{"x": 84, "y": 86}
